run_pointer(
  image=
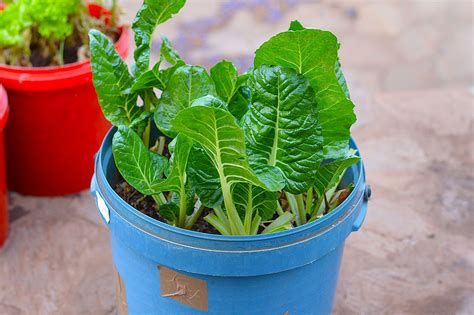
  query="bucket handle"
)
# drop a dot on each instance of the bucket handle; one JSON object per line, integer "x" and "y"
{"x": 363, "y": 211}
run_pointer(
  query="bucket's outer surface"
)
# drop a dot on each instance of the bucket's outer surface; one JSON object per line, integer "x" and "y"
{"x": 55, "y": 127}
{"x": 166, "y": 270}
{"x": 3, "y": 184}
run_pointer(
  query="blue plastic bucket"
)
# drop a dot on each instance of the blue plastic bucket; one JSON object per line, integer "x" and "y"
{"x": 167, "y": 270}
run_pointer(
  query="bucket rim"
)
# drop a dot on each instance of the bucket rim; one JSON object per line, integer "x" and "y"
{"x": 322, "y": 224}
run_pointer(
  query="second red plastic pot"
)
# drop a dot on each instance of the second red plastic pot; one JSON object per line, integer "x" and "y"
{"x": 55, "y": 127}
{"x": 3, "y": 185}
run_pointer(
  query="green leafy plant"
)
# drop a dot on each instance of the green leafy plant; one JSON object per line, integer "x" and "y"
{"x": 42, "y": 32}
{"x": 265, "y": 150}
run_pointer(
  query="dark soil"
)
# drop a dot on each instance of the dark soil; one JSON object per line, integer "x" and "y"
{"x": 74, "y": 50}
{"x": 146, "y": 205}
{"x": 37, "y": 51}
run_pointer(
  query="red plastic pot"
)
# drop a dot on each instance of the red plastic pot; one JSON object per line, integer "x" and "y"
{"x": 3, "y": 184}
{"x": 55, "y": 127}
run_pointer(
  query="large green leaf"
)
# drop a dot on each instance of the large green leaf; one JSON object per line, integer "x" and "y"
{"x": 150, "y": 14}
{"x": 230, "y": 87}
{"x": 296, "y": 25}
{"x": 223, "y": 141}
{"x": 140, "y": 167}
{"x": 185, "y": 85}
{"x": 189, "y": 195}
{"x": 211, "y": 101}
{"x": 313, "y": 53}
{"x": 329, "y": 174}
{"x": 176, "y": 180}
{"x": 155, "y": 78}
{"x": 140, "y": 123}
{"x": 149, "y": 79}
{"x": 170, "y": 212}
{"x": 225, "y": 77}
{"x": 112, "y": 81}
{"x": 165, "y": 74}
{"x": 281, "y": 127}
{"x": 167, "y": 51}
{"x": 239, "y": 104}
{"x": 254, "y": 200}
{"x": 204, "y": 178}
{"x": 341, "y": 79}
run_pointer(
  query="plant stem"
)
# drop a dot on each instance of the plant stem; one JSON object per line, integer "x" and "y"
{"x": 183, "y": 205}
{"x": 280, "y": 223}
{"x": 309, "y": 200}
{"x": 279, "y": 209}
{"x": 301, "y": 209}
{"x": 159, "y": 199}
{"x": 220, "y": 214}
{"x": 236, "y": 225}
{"x": 222, "y": 217}
{"x": 316, "y": 207}
{"x": 326, "y": 203}
{"x": 61, "y": 53}
{"x": 146, "y": 135}
{"x": 293, "y": 205}
{"x": 161, "y": 145}
{"x": 194, "y": 216}
{"x": 248, "y": 212}
{"x": 147, "y": 107}
{"x": 255, "y": 224}
{"x": 217, "y": 223}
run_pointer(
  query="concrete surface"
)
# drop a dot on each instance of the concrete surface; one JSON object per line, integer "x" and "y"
{"x": 409, "y": 67}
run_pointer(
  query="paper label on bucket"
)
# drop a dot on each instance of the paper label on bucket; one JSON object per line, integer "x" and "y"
{"x": 184, "y": 289}
{"x": 103, "y": 208}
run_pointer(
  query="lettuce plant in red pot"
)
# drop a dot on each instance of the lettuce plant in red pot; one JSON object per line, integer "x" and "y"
{"x": 55, "y": 124}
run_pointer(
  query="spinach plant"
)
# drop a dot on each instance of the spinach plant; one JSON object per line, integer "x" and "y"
{"x": 265, "y": 150}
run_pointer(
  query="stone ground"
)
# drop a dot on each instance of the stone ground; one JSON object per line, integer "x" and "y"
{"x": 409, "y": 66}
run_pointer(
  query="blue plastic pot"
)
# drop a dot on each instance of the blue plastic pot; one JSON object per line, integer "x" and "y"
{"x": 167, "y": 270}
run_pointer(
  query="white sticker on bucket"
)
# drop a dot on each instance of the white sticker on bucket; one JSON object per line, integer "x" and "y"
{"x": 103, "y": 207}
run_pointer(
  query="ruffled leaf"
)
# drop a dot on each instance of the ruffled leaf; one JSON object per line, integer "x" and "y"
{"x": 281, "y": 127}
{"x": 313, "y": 53}
{"x": 185, "y": 85}
{"x": 150, "y": 14}
{"x": 112, "y": 81}
{"x": 140, "y": 167}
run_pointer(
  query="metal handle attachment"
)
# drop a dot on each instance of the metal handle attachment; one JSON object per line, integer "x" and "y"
{"x": 363, "y": 211}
